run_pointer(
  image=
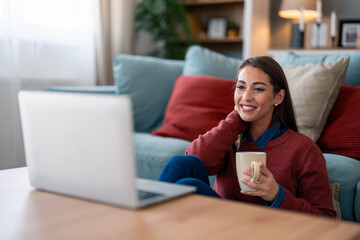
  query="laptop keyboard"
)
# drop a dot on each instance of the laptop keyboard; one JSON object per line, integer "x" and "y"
{"x": 145, "y": 195}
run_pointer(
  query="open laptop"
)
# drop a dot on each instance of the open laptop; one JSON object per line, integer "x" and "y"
{"x": 82, "y": 145}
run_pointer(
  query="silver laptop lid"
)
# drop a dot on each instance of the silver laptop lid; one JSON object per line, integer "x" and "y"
{"x": 71, "y": 147}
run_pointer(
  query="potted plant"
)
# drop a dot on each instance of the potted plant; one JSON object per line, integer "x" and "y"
{"x": 166, "y": 21}
{"x": 232, "y": 29}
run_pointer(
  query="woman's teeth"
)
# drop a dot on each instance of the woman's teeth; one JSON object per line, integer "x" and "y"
{"x": 248, "y": 108}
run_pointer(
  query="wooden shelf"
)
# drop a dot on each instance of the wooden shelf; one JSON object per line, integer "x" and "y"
{"x": 210, "y": 2}
{"x": 316, "y": 49}
{"x": 253, "y": 21}
{"x": 200, "y": 11}
{"x": 220, "y": 40}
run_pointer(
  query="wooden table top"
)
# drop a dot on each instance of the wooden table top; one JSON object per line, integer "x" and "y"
{"x": 26, "y": 213}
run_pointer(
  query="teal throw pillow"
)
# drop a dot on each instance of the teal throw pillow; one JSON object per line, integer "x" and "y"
{"x": 353, "y": 71}
{"x": 149, "y": 82}
{"x": 202, "y": 61}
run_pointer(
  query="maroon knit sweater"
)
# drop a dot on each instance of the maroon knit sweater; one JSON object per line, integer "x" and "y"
{"x": 295, "y": 161}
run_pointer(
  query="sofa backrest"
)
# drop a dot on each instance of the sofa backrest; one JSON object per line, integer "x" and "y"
{"x": 149, "y": 82}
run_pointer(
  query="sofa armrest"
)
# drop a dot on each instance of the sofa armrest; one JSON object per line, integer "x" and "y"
{"x": 85, "y": 89}
{"x": 357, "y": 203}
{"x": 345, "y": 170}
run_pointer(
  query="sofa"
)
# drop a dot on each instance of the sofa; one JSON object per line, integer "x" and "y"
{"x": 176, "y": 100}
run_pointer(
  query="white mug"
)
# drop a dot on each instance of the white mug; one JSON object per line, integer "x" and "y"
{"x": 249, "y": 160}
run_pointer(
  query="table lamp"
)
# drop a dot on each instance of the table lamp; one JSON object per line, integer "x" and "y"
{"x": 299, "y": 10}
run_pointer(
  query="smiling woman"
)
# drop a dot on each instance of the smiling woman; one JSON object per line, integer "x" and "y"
{"x": 294, "y": 177}
{"x": 42, "y": 43}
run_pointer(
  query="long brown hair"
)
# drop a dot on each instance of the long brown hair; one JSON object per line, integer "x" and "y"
{"x": 284, "y": 112}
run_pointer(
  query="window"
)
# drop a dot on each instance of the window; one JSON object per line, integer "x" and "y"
{"x": 47, "y": 39}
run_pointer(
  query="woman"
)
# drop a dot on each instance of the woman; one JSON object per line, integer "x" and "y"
{"x": 295, "y": 177}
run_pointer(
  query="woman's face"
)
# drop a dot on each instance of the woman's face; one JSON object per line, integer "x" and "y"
{"x": 254, "y": 96}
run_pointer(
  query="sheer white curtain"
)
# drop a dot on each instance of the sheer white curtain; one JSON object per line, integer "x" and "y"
{"x": 42, "y": 43}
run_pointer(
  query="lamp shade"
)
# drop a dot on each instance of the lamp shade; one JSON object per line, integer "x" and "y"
{"x": 291, "y": 9}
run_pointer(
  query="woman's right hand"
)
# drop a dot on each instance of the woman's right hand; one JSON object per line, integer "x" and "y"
{"x": 234, "y": 118}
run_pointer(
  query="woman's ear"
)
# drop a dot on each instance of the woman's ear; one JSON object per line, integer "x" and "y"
{"x": 280, "y": 97}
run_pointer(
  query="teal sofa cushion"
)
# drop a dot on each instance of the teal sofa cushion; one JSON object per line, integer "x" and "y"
{"x": 353, "y": 71}
{"x": 153, "y": 152}
{"x": 149, "y": 82}
{"x": 202, "y": 61}
{"x": 345, "y": 170}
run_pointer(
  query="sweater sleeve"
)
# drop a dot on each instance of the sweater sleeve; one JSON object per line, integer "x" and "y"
{"x": 212, "y": 146}
{"x": 313, "y": 192}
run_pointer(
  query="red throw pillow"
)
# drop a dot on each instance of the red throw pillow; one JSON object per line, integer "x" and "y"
{"x": 341, "y": 134}
{"x": 196, "y": 105}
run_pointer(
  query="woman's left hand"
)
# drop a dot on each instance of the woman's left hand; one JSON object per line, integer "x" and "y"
{"x": 267, "y": 186}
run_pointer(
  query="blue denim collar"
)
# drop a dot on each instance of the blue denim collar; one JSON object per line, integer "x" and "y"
{"x": 272, "y": 133}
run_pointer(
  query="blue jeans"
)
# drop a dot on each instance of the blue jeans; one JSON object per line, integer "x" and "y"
{"x": 188, "y": 170}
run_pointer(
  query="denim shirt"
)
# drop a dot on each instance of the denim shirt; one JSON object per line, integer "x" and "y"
{"x": 272, "y": 133}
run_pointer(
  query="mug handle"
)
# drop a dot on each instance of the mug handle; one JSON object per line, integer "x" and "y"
{"x": 255, "y": 168}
